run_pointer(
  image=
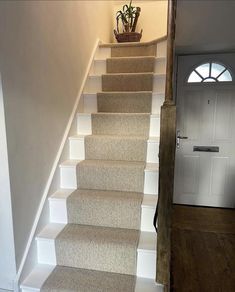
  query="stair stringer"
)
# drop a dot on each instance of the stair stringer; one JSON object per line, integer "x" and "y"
{"x": 29, "y": 259}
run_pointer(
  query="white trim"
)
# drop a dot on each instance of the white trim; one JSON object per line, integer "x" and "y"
{"x": 55, "y": 165}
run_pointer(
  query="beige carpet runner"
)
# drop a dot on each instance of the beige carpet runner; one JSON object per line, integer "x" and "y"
{"x": 64, "y": 279}
{"x": 125, "y": 102}
{"x": 97, "y": 250}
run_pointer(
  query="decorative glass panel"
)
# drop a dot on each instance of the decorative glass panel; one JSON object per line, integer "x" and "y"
{"x": 210, "y": 72}
{"x": 216, "y": 69}
{"x": 194, "y": 77}
{"x": 209, "y": 80}
{"x": 204, "y": 70}
{"x": 226, "y": 76}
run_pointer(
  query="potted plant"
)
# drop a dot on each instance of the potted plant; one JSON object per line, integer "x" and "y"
{"x": 128, "y": 17}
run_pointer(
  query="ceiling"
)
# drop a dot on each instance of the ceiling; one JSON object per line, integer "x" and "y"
{"x": 205, "y": 26}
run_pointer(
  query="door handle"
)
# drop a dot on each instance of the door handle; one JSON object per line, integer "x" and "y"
{"x": 178, "y": 138}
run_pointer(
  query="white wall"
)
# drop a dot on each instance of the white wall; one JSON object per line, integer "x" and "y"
{"x": 153, "y": 17}
{"x": 45, "y": 48}
{"x": 7, "y": 251}
{"x": 205, "y": 26}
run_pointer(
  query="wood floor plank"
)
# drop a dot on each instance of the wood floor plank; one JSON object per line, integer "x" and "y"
{"x": 203, "y": 249}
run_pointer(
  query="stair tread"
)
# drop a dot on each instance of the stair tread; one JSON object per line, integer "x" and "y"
{"x": 41, "y": 273}
{"x": 63, "y": 194}
{"x": 128, "y": 92}
{"x": 129, "y": 74}
{"x": 122, "y": 114}
{"x": 148, "y": 166}
{"x": 97, "y": 247}
{"x": 101, "y": 234}
{"x": 150, "y": 139}
{"x": 117, "y": 137}
{"x": 124, "y": 92}
{"x": 81, "y": 280}
{"x": 147, "y": 241}
{"x": 133, "y": 58}
{"x": 91, "y": 207}
{"x": 133, "y": 44}
{"x": 115, "y": 163}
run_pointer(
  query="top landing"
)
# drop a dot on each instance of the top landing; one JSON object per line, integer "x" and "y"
{"x": 156, "y": 47}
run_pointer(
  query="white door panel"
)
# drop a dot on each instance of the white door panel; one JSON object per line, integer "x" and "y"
{"x": 206, "y": 115}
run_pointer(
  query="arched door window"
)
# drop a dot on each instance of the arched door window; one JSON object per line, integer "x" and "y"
{"x": 210, "y": 72}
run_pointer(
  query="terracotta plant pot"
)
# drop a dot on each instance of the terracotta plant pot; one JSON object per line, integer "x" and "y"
{"x": 128, "y": 37}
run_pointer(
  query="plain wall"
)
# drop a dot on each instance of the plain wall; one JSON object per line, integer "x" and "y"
{"x": 205, "y": 26}
{"x": 45, "y": 47}
{"x": 7, "y": 250}
{"x": 153, "y": 18}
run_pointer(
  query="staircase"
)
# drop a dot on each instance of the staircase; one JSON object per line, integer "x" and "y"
{"x": 101, "y": 236}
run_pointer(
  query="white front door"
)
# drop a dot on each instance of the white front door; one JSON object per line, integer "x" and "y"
{"x": 205, "y": 160}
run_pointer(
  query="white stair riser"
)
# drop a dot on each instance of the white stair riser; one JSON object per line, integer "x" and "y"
{"x": 159, "y": 82}
{"x": 154, "y": 130}
{"x": 103, "y": 53}
{"x": 146, "y": 260}
{"x": 77, "y": 150}
{"x": 151, "y": 182}
{"x": 99, "y": 67}
{"x": 58, "y": 214}
{"x": 157, "y": 102}
{"x": 46, "y": 251}
{"x": 58, "y": 211}
{"x": 160, "y": 66}
{"x": 146, "y": 264}
{"x": 90, "y": 103}
{"x": 94, "y": 84}
{"x": 84, "y": 125}
{"x": 147, "y": 215}
{"x": 152, "y": 152}
{"x": 162, "y": 49}
{"x": 68, "y": 179}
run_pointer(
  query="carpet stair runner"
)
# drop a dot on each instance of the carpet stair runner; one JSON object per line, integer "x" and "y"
{"x": 97, "y": 250}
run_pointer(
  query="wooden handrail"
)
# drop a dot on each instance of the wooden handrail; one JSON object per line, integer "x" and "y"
{"x": 166, "y": 160}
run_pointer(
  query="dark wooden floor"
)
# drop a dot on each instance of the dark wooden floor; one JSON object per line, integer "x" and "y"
{"x": 203, "y": 249}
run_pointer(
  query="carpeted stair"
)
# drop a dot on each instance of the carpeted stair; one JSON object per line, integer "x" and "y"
{"x": 121, "y": 124}
{"x": 111, "y": 175}
{"x": 127, "y": 82}
{"x": 111, "y": 147}
{"x": 97, "y": 249}
{"x": 125, "y": 102}
{"x": 67, "y": 279}
{"x": 105, "y": 208}
{"x": 130, "y": 65}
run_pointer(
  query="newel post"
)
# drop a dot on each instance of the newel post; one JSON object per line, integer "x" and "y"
{"x": 166, "y": 161}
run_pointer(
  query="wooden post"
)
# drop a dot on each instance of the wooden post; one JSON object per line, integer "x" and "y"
{"x": 166, "y": 188}
{"x": 170, "y": 51}
{"x": 166, "y": 160}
